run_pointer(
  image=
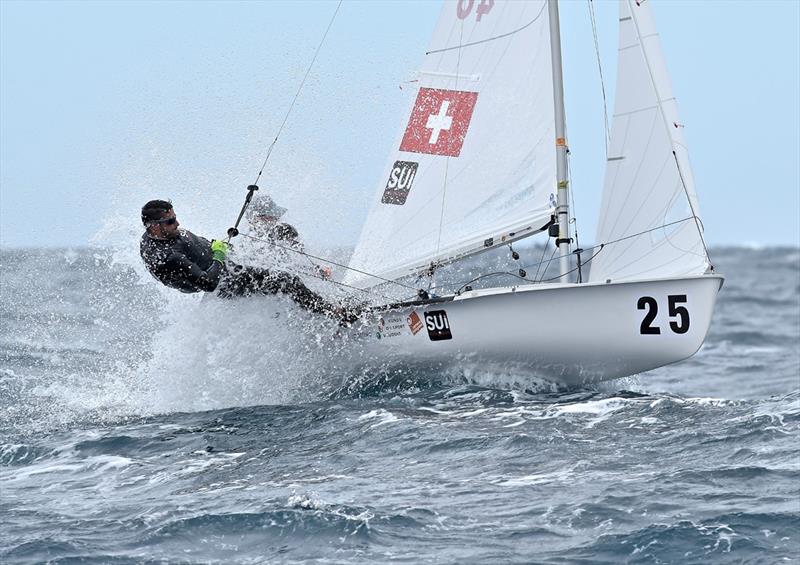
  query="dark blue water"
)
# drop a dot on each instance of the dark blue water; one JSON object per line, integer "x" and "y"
{"x": 138, "y": 425}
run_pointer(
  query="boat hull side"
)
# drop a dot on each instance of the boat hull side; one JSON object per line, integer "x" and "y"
{"x": 570, "y": 334}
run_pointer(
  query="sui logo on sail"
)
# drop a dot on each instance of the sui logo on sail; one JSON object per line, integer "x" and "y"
{"x": 399, "y": 184}
{"x": 438, "y": 325}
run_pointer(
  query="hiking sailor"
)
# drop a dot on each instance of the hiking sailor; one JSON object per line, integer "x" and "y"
{"x": 275, "y": 239}
{"x": 182, "y": 260}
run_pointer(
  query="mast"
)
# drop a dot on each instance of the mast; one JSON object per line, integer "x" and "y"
{"x": 562, "y": 202}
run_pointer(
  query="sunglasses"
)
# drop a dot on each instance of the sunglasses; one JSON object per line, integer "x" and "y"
{"x": 168, "y": 221}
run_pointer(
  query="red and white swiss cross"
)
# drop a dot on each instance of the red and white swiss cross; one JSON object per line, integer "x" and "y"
{"x": 439, "y": 122}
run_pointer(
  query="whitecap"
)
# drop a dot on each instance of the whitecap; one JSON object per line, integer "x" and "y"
{"x": 383, "y": 417}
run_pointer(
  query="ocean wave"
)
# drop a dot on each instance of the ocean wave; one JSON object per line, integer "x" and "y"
{"x": 728, "y": 538}
{"x": 13, "y": 454}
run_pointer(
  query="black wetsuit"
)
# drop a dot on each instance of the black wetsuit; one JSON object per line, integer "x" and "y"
{"x": 186, "y": 263}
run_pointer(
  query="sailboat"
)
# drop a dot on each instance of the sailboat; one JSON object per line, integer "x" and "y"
{"x": 480, "y": 162}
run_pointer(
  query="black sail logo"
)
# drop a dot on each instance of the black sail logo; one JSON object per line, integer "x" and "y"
{"x": 399, "y": 184}
{"x": 438, "y": 325}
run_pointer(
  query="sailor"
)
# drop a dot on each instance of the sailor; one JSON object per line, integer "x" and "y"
{"x": 182, "y": 260}
{"x": 264, "y": 217}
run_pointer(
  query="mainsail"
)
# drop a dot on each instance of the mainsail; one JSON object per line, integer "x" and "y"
{"x": 649, "y": 201}
{"x": 474, "y": 163}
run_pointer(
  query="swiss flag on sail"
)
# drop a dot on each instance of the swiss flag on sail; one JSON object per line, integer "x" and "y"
{"x": 439, "y": 122}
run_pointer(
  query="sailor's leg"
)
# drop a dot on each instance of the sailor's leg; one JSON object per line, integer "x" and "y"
{"x": 242, "y": 281}
{"x": 246, "y": 281}
{"x": 299, "y": 292}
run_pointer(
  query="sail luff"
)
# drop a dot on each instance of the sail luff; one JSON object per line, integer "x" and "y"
{"x": 562, "y": 184}
{"x": 648, "y": 227}
{"x": 666, "y": 123}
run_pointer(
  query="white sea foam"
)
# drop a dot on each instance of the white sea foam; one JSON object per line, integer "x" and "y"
{"x": 602, "y": 408}
{"x": 382, "y": 416}
{"x": 560, "y": 476}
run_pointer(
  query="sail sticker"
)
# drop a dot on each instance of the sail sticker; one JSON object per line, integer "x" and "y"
{"x": 464, "y": 7}
{"x": 438, "y": 325}
{"x": 439, "y": 122}
{"x": 399, "y": 184}
{"x": 414, "y": 322}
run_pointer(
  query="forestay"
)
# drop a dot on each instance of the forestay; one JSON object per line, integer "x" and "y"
{"x": 474, "y": 162}
{"x": 646, "y": 186}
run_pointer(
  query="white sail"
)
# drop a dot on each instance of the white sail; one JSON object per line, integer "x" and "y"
{"x": 474, "y": 164}
{"x": 646, "y": 185}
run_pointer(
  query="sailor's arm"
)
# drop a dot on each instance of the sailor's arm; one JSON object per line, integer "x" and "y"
{"x": 192, "y": 273}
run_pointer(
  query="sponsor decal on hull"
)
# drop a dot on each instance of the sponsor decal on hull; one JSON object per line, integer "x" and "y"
{"x": 438, "y": 325}
{"x": 392, "y": 326}
{"x": 414, "y": 322}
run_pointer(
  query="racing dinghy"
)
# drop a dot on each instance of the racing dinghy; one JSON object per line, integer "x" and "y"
{"x": 481, "y": 162}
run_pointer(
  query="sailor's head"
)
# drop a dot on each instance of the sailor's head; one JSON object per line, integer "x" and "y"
{"x": 263, "y": 212}
{"x": 159, "y": 218}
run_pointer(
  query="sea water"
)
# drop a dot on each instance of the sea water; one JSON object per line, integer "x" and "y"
{"x": 140, "y": 425}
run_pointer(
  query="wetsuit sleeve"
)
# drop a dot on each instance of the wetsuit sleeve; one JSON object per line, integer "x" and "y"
{"x": 191, "y": 273}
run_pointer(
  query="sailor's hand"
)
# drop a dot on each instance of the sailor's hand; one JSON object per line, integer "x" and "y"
{"x": 219, "y": 250}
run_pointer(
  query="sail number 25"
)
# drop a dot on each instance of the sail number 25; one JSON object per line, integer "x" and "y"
{"x": 680, "y": 324}
{"x": 464, "y": 8}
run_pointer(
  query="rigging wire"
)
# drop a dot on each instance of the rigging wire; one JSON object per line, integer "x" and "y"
{"x": 571, "y": 192}
{"x": 547, "y": 263}
{"x": 697, "y": 220}
{"x": 540, "y": 263}
{"x": 297, "y": 94}
{"x": 667, "y": 126}
{"x": 253, "y": 187}
{"x": 599, "y": 247}
{"x": 686, "y": 219}
{"x": 446, "y": 169}
{"x": 547, "y": 266}
{"x": 600, "y": 70}
{"x": 343, "y": 285}
{"x": 510, "y": 273}
{"x": 573, "y": 211}
{"x": 324, "y": 260}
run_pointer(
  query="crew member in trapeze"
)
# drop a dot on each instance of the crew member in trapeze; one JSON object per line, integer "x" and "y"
{"x": 184, "y": 261}
{"x": 276, "y": 241}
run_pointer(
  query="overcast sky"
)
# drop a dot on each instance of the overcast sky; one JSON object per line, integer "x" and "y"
{"x": 104, "y": 106}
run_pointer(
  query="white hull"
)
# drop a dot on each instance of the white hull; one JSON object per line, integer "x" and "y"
{"x": 570, "y": 334}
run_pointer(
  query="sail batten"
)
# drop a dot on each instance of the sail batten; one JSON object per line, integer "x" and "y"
{"x": 474, "y": 160}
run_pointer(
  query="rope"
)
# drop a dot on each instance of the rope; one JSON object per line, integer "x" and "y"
{"x": 691, "y": 207}
{"x": 496, "y": 273}
{"x": 338, "y": 283}
{"x": 666, "y": 126}
{"x": 641, "y": 233}
{"x": 324, "y": 260}
{"x": 232, "y": 232}
{"x": 446, "y": 170}
{"x": 297, "y": 94}
{"x": 541, "y": 261}
{"x": 600, "y": 69}
{"x": 307, "y": 274}
{"x": 589, "y": 260}
{"x": 599, "y": 247}
{"x": 572, "y": 209}
{"x": 550, "y": 260}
